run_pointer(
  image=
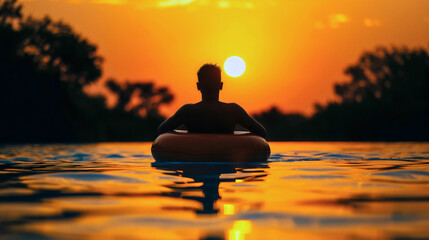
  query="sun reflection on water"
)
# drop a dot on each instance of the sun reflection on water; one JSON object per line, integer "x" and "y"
{"x": 306, "y": 190}
{"x": 239, "y": 230}
{"x": 228, "y": 209}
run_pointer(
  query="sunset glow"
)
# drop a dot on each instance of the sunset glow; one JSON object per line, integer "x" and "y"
{"x": 294, "y": 50}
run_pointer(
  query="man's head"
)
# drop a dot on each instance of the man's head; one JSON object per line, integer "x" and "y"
{"x": 209, "y": 79}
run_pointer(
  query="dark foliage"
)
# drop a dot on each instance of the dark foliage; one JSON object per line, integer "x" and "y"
{"x": 386, "y": 99}
{"x": 44, "y": 66}
{"x": 281, "y": 126}
{"x": 150, "y": 98}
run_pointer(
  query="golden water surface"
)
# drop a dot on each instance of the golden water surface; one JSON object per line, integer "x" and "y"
{"x": 306, "y": 190}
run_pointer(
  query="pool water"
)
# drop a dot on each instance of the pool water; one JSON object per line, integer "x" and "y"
{"x": 307, "y": 190}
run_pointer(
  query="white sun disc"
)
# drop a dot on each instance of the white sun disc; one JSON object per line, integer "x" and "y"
{"x": 234, "y": 66}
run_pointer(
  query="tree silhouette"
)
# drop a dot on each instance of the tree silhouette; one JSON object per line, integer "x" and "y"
{"x": 276, "y": 121}
{"x": 399, "y": 76}
{"x": 9, "y": 10}
{"x": 52, "y": 46}
{"x": 142, "y": 99}
{"x": 386, "y": 98}
{"x": 56, "y": 49}
{"x": 44, "y": 66}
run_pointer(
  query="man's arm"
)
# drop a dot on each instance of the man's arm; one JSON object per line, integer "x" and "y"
{"x": 249, "y": 122}
{"x": 174, "y": 121}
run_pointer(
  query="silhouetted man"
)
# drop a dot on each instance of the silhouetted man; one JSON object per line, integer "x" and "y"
{"x": 210, "y": 115}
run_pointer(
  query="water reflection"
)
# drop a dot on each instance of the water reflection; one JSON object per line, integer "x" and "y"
{"x": 239, "y": 229}
{"x": 305, "y": 191}
{"x": 204, "y": 186}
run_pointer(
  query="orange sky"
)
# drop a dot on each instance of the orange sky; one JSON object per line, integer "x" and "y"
{"x": 295, "y": 50}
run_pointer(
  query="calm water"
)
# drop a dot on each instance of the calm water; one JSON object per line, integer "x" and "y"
{"x": 306, "y": 190}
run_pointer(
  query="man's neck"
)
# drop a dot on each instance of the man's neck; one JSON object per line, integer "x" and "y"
{"x": 210, "y": 97}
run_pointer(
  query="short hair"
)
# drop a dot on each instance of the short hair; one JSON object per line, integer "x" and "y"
{"x": 209, "y": 75}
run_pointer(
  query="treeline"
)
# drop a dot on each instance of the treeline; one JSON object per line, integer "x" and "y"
{"x": 44, "y": 66}
{"x": 385, "y": 99}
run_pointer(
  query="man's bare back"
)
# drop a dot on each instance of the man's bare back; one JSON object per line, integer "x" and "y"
{"x": 210, "y": 115}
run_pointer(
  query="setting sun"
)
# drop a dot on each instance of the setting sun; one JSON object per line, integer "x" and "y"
{"x": 234, "y": 66}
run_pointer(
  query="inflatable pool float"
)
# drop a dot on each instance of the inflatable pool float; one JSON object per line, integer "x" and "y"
{"x": 193, "y": 147}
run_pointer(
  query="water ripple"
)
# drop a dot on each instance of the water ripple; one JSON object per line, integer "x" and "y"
{"x": 306, "y": 190}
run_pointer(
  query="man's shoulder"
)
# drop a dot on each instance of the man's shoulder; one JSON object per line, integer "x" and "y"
{"x": 184, "y": 109}
{"x": 187, "y": 106}
{"x": 234, "y": 106}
